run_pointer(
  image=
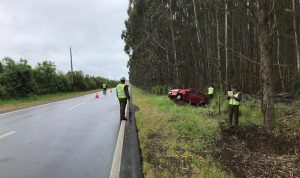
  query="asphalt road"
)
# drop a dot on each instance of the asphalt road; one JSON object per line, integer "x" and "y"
{"x": 74, "y": 138}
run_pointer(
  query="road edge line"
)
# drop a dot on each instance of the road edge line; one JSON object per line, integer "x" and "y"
{"x": 116, "y": 164}
{"x": 7, "y": 134}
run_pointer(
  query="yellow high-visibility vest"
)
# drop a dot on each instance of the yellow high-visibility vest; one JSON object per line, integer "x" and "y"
{"x": 104, "y": 85}
{"x": 210, "y": 90}
{"x": 233, "y": 101}
{"x": 121, "y": 91}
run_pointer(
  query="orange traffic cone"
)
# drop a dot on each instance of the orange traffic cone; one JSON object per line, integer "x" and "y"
{"x": 97, "y": 96}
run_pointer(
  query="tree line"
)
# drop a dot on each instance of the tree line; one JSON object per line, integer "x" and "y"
{"x": 254, "y": 44}
{"x": 19, "y": 79}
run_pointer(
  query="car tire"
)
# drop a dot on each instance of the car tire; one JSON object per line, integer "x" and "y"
{"x": 179, "y": 97}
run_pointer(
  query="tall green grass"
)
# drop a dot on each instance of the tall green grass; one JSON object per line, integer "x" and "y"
{"x": 183, "y": 127}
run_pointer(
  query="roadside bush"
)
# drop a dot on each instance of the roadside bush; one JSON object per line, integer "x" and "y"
{"x": 18, "y": 79}
{"x": 63, "y": 84}
{"x": 45, "y": 77}
{"x": 3, "y": 92}
{"x": 159, "y": 90}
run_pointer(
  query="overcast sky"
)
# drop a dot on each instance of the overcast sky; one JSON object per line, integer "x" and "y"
{"x": 39, "y": 30}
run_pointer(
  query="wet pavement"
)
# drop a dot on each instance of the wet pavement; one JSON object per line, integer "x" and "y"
{"x": 73, "y": 138}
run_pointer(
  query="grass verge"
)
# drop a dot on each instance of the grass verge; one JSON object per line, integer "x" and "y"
{"x": 184, "y": 141}
{"x": 20, "y": 103}
{"x": 176, "y": 141}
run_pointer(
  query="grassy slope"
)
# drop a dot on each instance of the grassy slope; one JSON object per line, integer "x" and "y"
{"x": 176, "y": 141}
{"x": 179, "y": 141}
{"x": 18, "y": 103}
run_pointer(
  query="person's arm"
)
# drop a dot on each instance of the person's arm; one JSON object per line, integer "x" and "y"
{"x": 228, "y": 97}
{"x": 239, "y": 97}
{"x": 116, "y": 92}
{"x": 127, "y": 92}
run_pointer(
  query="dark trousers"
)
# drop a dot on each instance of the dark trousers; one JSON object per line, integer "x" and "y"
{"x": 211, "y": 96}
{"x": 104, "y": 91}
{"x": 123, "y": 104}
{"x": 234, "y": 110}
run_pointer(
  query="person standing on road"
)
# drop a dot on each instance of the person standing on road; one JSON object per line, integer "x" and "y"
{"x": 123, "y": 96}
{"x": 211, "y": 92}
{"x": 104, "y": 88}
{"x": 234, "y": 97}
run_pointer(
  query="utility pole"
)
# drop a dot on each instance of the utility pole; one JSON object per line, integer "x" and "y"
{"x": 71, "y": 67}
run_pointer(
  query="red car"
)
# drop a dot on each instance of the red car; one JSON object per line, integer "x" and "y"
{"x": 190, "y": 96}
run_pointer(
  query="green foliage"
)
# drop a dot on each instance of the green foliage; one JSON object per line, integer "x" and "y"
{"x": 45, "y": 76}
{"x": 63, "y": 83}
{"x": 159, "y": 90}
{"x": 18, "y": 79}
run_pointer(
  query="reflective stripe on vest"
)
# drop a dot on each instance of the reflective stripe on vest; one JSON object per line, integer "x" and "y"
{"x": 233, "y": 101}
{"x": 210, "y": 90}
{"x": 121, "y": 91}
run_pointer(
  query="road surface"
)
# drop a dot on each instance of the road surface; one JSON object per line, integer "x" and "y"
{"x": 74, "y": 138}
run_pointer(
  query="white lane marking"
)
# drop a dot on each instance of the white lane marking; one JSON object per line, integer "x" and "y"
{"x": 76, "y": 106}
{"x": 116, "y": 164}
{"x": 7, "y": 134}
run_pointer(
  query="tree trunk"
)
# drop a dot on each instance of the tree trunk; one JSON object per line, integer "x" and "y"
{"x": 278, "y": 53}
{"x": 219, "y": 54}
{"x": 226, "y": 42}
{"x": 196, "y": 22}
{"x": 296, "y": 36}
{"x": 174, "y": 46}
{"x": 265, "y": 43}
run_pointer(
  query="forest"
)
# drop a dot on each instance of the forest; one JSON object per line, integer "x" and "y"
{"x": 194, "y": 43}
{"x": 180, "y": 44}
{"x": 19, "y": 79}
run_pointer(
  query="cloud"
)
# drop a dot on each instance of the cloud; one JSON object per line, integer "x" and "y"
{"x": 43, "y": 30}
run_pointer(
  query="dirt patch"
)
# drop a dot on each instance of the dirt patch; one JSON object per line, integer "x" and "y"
{"x": 163, "y": 161}
{"x": 251, "y": 151}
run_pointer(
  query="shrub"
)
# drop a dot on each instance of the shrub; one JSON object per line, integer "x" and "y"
{"x": 159, "y": 90}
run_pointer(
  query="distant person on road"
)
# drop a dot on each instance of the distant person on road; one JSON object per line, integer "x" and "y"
{"x": 123, "y": 96}
{"x": 234, "y": 97}
{"x": 211, "y": 92}
{"x": 104, "y": 88}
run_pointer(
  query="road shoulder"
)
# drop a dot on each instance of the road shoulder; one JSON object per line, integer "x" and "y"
{"x": 131, "y": 164}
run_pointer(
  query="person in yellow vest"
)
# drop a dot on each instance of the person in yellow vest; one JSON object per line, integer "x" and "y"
{"x": 104, "y": 86}
{"x": 234, "y": 97}
{"x": 211, "y": 92}
{"x": 123, "y": 96}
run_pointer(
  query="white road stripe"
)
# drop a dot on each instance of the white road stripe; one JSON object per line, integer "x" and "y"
{"x": 76, "y": 106}
{"x": 116, "y": 164}
{"x": 7, "y": 134}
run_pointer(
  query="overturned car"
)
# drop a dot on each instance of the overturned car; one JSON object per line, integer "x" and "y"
{"x": 190, "y": 96}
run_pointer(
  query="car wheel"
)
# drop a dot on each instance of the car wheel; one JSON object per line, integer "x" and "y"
{"x": 179, "y": 97}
